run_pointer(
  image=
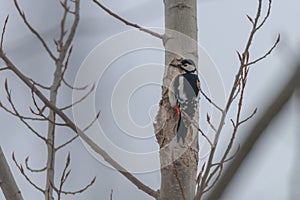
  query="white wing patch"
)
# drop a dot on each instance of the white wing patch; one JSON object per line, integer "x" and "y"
{"x": 181, "y": 92}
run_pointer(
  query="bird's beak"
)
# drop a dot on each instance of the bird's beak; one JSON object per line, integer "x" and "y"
{"x": 177, "y": 66}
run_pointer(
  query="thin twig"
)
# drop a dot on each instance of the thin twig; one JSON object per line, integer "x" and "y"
{"x": 211, "y": 102}
{"x": 267, "y": 15}
{"x": 21, "y": 13}
{"x": 215, "y": 180}
{"x": 248, "y": 118}
{"x": 66, "y": 143}
{"x": 25, "y": 176}
{"x": 240, "y": 78}
{"x": 80, "y": 100}
{"x": 210, "y": 124}
{"x": 33, "y": 170}
{"x": 72, "y": 87}
{"x": 195, "y": 124}
{"x": 70, "y": 37}
{"x": 40, "y": 85}
{"x": 64, "y": 176}
{"x": 157, "y": 35}
{"x": 17, "y": 114}
{"x": 267, "y": 53}
{"x": 78, "y": 191}
{"x": 253, "y": 135}
{"x": 77, "y": 130}
{"x": 92, "y": 122}
{"x": 200, "y": 174}
{"x": 3, "y": 32}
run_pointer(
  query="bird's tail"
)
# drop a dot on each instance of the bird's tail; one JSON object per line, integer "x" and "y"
{"x": 181, "y": 130}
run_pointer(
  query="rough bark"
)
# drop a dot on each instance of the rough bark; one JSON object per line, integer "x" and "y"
{"x": 178, "y": 161}
{"x": 7, "y": 182}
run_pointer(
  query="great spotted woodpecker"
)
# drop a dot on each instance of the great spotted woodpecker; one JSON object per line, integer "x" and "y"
{"x": 183, "y": 95}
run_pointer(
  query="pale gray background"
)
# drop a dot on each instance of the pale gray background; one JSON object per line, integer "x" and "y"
{"x": 271, "y": 170}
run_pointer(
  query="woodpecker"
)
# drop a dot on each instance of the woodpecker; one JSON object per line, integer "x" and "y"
{"x": 183, "y": 95}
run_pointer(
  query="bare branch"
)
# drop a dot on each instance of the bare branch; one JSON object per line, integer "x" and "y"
{"x": 200, "y": 175}
{"x": 64, "y": 176}
{"x": 250, "y": 19}
{"x": 195, "y": 124}
{"x": 73, "y": 88}
{"x": 92, "y": 122}
{"x": 21, "y": 13}
{"x": 40, "y": 85}
{"x": 215, "y": 180}
{"x": 267, "y": 15}
{"x": 80, "y": 190}
{"x": 66, "y": 143}
{"x": 3, "y": 33}
{"x": 210, "y": 101}
{"x": 254, "y": 27}
{"x": 63, "y": 179}
{"x": 245, "y": 120}
{"x": 223, "y": 161}
{"x": 40, "y": 110}
{"x": 80, "y": 100}
{"x": 64, "y": 71}
{"x": 59, "y": 43}
{"x": 68, "y": 59}
{"x": 233, "y": 156}
{"x": 157, "y": 35}
{"x": 25, "y": 176}
{"x": 3, "y": 68}
{"x": 210, "y": 124}
{"x": 33, "y": 170}
{"x": 238, "y": 90}
{"x": 266, "y": 54}
{"x": 17, "y": 114}
{"x": 240, "y": 82}
{"x": 232, "y": 122}
{"x": 67, "y": 45}
{"x": 77, "y": 130}
{"x": 256, "y": 132}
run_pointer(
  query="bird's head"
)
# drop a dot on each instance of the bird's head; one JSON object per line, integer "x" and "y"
{"x": 186, "y": 65}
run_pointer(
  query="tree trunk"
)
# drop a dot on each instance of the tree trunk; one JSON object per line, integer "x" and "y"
{"x": 179, "y": 161}
{"x": 7, "y": 182}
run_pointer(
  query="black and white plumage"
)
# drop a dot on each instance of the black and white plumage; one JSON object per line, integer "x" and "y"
{"x": 183, "y": 95}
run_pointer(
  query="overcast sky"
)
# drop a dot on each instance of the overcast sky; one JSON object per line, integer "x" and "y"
{"x": 268, "y": 173}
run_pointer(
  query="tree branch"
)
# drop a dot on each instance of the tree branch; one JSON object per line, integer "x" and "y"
{"x": 238, "y": 85}
{"x": 157, "y": 35}
{"x": 25, "y": 175}
{"x": 3, "y": 32}
{"x": 267, "y": 53}
{"x": 195, "y": 124}
{"x": 21, "y": 13}
{"x": 7, "y": 182}
{"x": 33, "y": 170}
{"x": 77, "y": 130}
{"x": 254, "y": 134}
{"x": 211, "y": 102}
{"x": 66, "y": 143}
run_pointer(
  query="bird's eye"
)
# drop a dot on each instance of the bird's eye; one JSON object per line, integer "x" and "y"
{"x": 185, "y": 65}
